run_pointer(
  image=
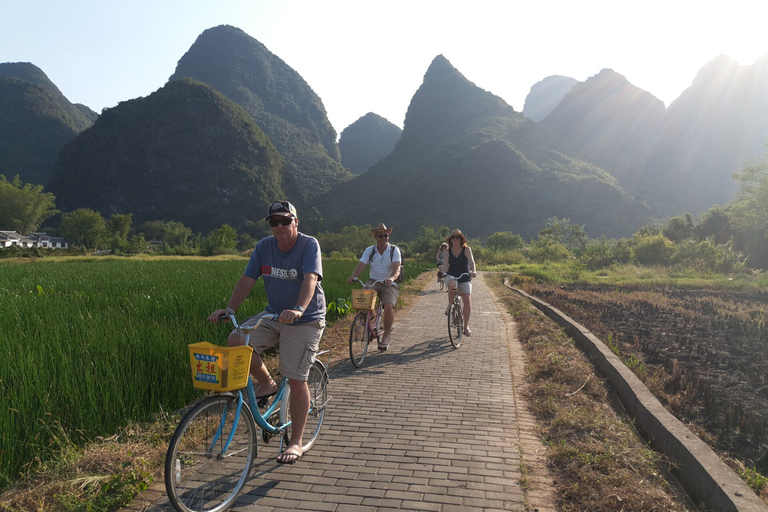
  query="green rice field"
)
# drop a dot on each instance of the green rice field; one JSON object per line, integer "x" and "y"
{"x": 88, "y": 344}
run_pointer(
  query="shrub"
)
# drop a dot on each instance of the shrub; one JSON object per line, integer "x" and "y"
{"x": 545, "y": 250}
{"x": 707, "y": 256}
{"x": 652, "y": 249}
{"x": 505, "y": 240}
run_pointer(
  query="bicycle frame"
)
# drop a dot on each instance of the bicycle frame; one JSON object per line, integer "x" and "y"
{"x": 259, "y": 418}
{"x": 212, "y": 450}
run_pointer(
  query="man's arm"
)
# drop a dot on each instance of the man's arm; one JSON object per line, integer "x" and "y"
{"x": 394, "y": 271}
{"x": 240, "y": 292}
{"x": 356, "y": 272}
{"x": 306, "y": 292}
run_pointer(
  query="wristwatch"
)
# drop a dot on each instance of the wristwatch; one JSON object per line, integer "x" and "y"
{"x": 298, "y": 308}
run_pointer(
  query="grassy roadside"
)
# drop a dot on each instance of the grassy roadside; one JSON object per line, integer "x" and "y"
{"x": 109, "y": 473}
{"x": 598, "y": 460}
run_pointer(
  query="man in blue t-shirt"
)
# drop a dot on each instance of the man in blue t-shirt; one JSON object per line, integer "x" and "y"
{"x": 291, "y": 265}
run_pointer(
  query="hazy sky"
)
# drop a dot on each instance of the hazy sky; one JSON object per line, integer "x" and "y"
{"x": 365, "y": 56}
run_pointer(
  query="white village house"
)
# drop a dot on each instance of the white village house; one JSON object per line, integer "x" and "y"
{"x": 11, "y": 238}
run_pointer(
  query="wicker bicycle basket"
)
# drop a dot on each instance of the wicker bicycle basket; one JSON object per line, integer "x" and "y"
{"x": 364, "y": 299}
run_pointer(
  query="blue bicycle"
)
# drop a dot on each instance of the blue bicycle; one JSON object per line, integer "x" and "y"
{"x": 211, "y": 453}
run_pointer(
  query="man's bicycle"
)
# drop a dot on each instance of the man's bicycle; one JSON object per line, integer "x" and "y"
{"x": 366, "y": 325}
{"x": 456, "y": 316}
{"x": 212, "y": 451}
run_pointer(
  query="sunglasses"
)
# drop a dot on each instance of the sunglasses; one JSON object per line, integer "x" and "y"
{"x": 382, "y": 236}
{"x": 285, "y": 221}
{"x": 455, "y": 237}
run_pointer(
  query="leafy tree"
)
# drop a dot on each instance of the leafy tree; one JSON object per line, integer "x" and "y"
{"x": 172, "y": 234}
{"x": 120, "y": 225}
{"x": 748, "y": 214}
{"x": 505, "y": 240}
{"x": 246, "y": 242}
{"x": 546, "y": 249}
{"x": 560, "y": 231}
{"x": 428, "y": 240}
{"x": 220, "y": 241}
{"x": 716, "y": 223}
{"x": 351, "y": 241}
{"x": 24, "y": 208}
{"x": 752, "y": 200}
{"x": 652, "y": 249}
{"x": 84, "y": 228}
{"x": 679, "y": 228}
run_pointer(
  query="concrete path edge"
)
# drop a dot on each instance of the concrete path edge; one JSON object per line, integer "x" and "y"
{"x": 703, "y": 475}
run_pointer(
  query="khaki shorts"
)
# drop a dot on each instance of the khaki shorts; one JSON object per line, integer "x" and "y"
{"x": 464, "y": 288}
{"x": 387, "y": 294}
{"x": 298, "y": 344}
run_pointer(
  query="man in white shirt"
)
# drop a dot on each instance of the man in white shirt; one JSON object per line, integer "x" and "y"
{"x": 384, "y": 261}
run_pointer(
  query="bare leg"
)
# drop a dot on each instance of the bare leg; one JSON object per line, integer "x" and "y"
{"x": 389, "y": 319}
{"x": 299, "y": 407}
{"x": 466, "y": 299}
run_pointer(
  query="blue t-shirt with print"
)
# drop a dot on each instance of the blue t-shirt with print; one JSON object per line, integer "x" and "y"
{"x": 284, "y": 272}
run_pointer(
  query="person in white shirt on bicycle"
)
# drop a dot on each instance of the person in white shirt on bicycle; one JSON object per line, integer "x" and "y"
{"x": 384, "y": 261}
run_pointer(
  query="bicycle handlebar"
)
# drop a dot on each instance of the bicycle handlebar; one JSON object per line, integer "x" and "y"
{"x": 371, "y": 286}
{"x": 232, "y": 318}
{"x": 460, "y": 276}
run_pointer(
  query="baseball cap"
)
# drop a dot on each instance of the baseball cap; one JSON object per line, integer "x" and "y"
{"x": 281, "y": 209}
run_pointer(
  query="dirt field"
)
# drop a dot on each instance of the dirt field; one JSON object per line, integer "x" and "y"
{"x": 704, "y": 353}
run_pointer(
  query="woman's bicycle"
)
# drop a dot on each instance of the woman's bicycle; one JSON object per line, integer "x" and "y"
{"x": 456, "y": 316}
{"x": 366, "y": 325}
{"x": 212, "y": 451}
{"x": 441, "y": 279}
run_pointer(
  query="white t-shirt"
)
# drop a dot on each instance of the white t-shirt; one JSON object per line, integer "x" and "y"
{"x": 381, "y": 264}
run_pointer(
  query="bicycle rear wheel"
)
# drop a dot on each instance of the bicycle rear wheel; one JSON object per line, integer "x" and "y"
{"x": 200, "y": 474}
{"x": 455, "y": 325}
{"x": 318, "y": 398}
{"x": 358, "y": 340}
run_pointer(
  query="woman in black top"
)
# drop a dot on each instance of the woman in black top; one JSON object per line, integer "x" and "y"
{"x": 459, "y": 261}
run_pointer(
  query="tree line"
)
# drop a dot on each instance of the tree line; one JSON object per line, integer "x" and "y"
{"x": 722, "y": 239}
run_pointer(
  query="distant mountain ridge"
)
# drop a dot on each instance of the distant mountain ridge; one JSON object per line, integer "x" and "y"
{"x": 545, "y": 95}
{"x": 283, "y": 105}
{"x": 184, "y": 153}
{"x": 366, "y": 141}
{"x": 608, "y": 155}
{"x": 677, "y": 160}
{"x": 467, "y": 159}
{"x": 35, "y": 121}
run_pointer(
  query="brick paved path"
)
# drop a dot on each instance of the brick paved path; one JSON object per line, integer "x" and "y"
{"x": 423, "y": 426}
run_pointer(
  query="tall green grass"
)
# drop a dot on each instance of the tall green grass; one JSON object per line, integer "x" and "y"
{"x": 90, "y": 343}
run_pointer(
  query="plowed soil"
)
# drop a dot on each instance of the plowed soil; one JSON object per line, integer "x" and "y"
{"x": 704, "y": 353}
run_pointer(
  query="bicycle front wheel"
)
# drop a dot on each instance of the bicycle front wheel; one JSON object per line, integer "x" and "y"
{"x": 455, "y": 325}
{"x": 358, "y": 340}
{"x": 204, "y": 469}
{"x": 318, "y": 399}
